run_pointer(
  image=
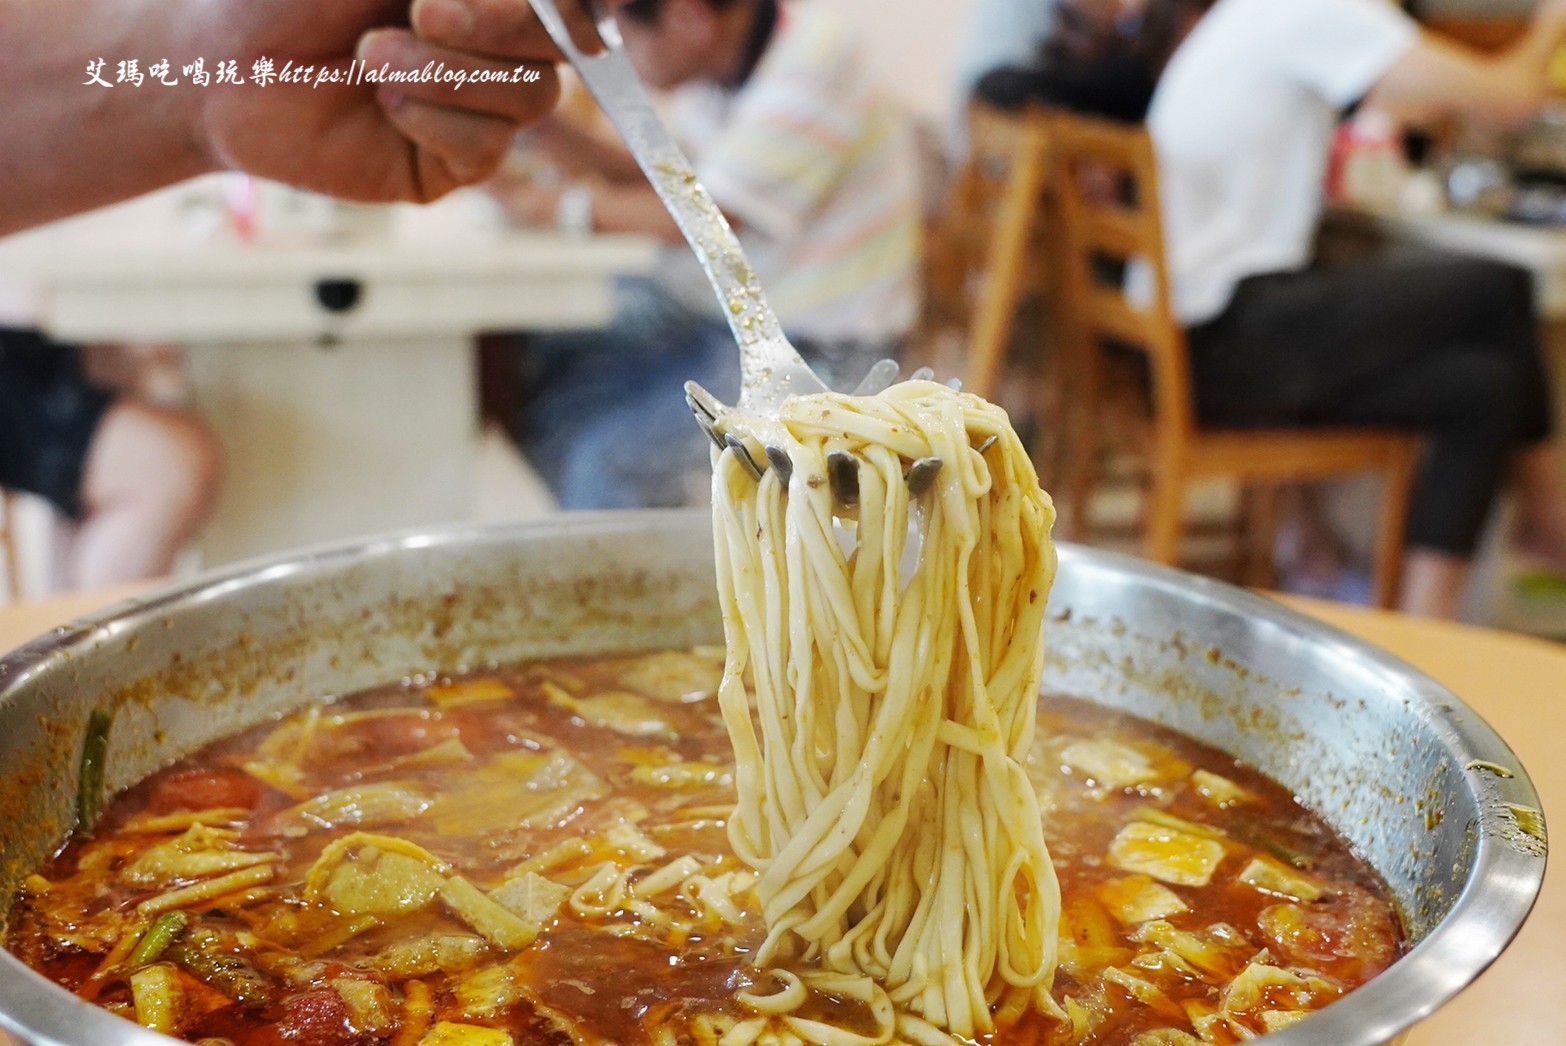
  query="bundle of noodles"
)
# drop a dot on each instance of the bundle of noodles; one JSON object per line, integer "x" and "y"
{"x": 882, "y": 796}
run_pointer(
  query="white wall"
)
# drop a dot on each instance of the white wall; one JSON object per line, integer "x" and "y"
{"x": 913, "y": 47}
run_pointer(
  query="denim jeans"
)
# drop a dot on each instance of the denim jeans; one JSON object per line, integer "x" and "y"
{"x": 608, "y": 427}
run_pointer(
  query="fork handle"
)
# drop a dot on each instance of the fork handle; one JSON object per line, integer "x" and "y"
{"x": 614, "y": 84}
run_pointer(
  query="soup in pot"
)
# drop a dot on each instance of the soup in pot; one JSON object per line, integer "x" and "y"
{"x": 540, "y": 855}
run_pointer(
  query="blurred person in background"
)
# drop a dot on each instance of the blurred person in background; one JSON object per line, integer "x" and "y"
{"x": 134, "y": 480}
{"x": 1086, "y": 55}
{"x": 1242, "y": 122}
{"x": 817, "y": 172}
{"x": 131, "y": 480}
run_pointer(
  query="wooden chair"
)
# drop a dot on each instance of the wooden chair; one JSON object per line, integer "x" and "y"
{"x": 1105, "y": 181}
{"x": 11, "y": 586}
{"x": 983, "y": 259}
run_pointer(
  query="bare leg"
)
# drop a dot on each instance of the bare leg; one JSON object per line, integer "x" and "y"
{"x": 1433, "y": 582}
{"x": 149, "y": 483}
{"x": 1541, "y": 502}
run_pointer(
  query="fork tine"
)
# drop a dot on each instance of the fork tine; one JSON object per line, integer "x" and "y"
{"x": 843, "y": 475}
{"x": 702, "y": 403}
{"x": 881, "y": 374}
{"x": 921, "y": 474}
{"x": 737, "y": 445}
{"x": 780, "y": 463}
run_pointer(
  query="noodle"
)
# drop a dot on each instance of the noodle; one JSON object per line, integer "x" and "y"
{"x": 882, "y": 798}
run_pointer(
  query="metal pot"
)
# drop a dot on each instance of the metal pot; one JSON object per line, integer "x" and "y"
{"x": 1411, "y": 776}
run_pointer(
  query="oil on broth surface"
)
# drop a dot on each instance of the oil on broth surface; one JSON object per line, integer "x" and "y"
{"x": 539, "y": 855}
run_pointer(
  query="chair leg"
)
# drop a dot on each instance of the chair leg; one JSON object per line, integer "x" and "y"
{"x": 13, "y": 580}
{"x": 1164, "y": 515}
{"x": 1079, "y": 473}
{"x": 1260, "y": 534}
{"x": 1396, "y": 488}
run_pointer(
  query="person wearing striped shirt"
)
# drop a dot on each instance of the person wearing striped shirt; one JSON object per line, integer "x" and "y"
{"x": 818, "y": 173}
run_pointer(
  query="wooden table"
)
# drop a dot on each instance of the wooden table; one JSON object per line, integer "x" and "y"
{"x": 1517, "y": 683}
{"x": 336, "y": 367}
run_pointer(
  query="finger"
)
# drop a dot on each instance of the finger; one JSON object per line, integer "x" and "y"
{"x": 455, "y": 147}
{"x": 507, "y": 88}
{"x": 501, "y": 28}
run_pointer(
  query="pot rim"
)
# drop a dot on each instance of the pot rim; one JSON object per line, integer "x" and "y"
{"x": 1495, "y": 900}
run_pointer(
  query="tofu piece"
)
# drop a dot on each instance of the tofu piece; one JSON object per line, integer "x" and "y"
{"x": 1166, "y": 854}
{"x": 1109, "y": 764}
{"x": 1218, "y": 790}
{"x": 1137, "y": 899}
{"x": 1273, "y": 877}
{"x": 532, "y": 897}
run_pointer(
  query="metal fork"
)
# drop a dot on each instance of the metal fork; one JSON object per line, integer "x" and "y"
{"x": 771, "y": 369}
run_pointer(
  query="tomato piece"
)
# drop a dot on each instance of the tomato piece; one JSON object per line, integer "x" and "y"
{"x": 317, "y": 1018}
{"x": 205, "y": 790}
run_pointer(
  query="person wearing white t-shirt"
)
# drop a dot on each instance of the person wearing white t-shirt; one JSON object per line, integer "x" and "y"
{"x": 1242, "y": 123}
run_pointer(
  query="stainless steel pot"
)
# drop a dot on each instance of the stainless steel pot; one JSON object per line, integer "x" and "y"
{"x": 1405, "y": 770}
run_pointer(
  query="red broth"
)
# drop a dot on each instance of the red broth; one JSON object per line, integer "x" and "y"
{"x": 334, "y": 877}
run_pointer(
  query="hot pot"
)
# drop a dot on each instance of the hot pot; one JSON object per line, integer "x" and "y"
{"x": 1409, "y": 774}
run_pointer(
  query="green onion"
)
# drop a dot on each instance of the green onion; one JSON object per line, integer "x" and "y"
{"x": 89, "y": 779}
{"x": 159, "y": 936}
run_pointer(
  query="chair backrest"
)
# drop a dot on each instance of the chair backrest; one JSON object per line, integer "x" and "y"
{"x": 982, "y": 256}
{"x": 1115, "y": 286}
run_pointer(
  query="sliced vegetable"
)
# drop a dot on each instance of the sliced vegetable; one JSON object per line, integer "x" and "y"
{"x": 158, "y": 937}
{"x": 1166, "y": 1037}
{"x": 338, "y": 936}
{"x": 184, "y": 820}
{"x": 207, "y": 890}
{"x": 158, "y": 996}
{"x": 365, "y": 805}
{"x": 527, "y": 789}
{"x": 617, "y": 710}
{"x": 675, "y": 675}
{"x": 1269, "y": 876}
{"x": 566, "y": 851}
{"x": 199, "y": 853}
{"x": 450, "y": 1033}
{"x": 1262, "y": 987}
{"x": 89, "y": 777}
{"x": 499, "y": 925}
{"x": 1218, "y": 952}
{"x": 371, "y": 1010}
{"x": 484, "y": 992}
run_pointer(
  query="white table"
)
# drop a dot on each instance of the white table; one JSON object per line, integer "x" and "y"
{"x": 1539, "y": 249}
{"x": 337, "y": 371}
